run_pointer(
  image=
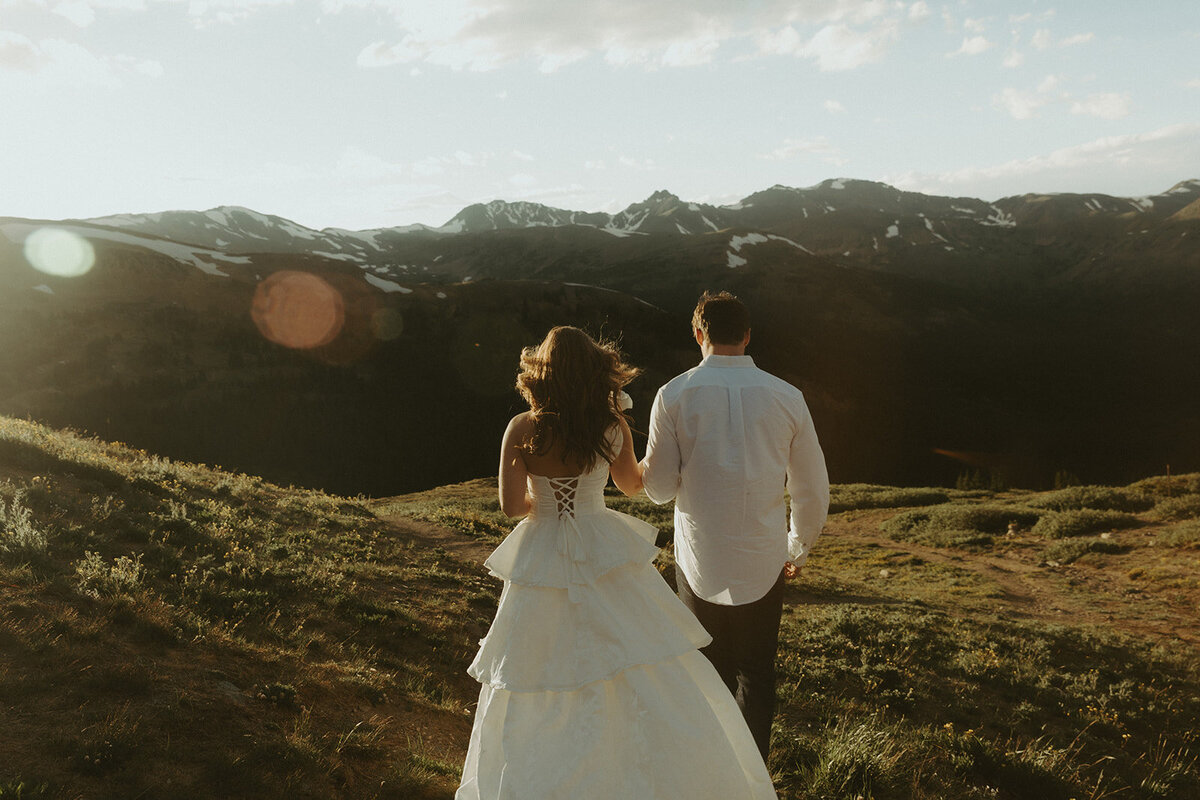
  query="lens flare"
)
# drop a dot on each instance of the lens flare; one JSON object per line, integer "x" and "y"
{"x": 56, "y": 251}
{"x": 387, "y": 324}
{"x": 298, "y": 309}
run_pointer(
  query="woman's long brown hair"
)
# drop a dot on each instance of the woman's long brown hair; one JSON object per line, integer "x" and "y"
{"x": 571, "y": 383}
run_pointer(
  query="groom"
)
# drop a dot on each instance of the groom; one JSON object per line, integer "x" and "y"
{"x": 726, "y": 438}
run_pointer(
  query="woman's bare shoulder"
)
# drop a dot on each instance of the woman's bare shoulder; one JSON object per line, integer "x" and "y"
{"x": 520, "y": 427}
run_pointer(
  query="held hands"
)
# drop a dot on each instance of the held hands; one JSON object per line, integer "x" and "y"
{"x": 790, "y": 570}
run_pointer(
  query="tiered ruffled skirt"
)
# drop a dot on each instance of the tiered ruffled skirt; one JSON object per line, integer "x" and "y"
{"x": 592, "y": 683}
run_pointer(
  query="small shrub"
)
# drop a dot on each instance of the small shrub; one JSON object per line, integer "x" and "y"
{"x": 97, "y": 578}
{"x": 279, "y": 694}
{"x": 1099, "y": 498}
{"x": 851, "y": 496}
{"x": 1186, "y": 534}
{"x": 1174, "y": 508}
{"x": 956, "y": 525}
{"x": 1082, "y": 521}
{"x": 1169, "y": 485}
{"x": 20, "y": 790}
{"x": 858, "y": 760}
{"x": 1064, "y": 551}
{"x": 18, "y": 533}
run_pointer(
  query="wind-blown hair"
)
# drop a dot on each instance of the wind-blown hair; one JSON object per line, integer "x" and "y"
{"x": 571, "y": 383}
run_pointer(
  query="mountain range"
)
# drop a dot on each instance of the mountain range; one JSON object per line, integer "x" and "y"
{"x": 1025, "y": 336}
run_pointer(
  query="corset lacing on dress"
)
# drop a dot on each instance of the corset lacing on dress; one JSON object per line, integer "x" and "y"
{"x": 566, "y": 490}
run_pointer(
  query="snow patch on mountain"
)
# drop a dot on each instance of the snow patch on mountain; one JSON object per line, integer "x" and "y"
{"x": 773, "y": 237}
{"x": 736, "y": 242}
{"x": 385, "y": 284}
{"x": 999, "y": 219}
{"x": 203, "y": 259}
{"x": 929, "y": 227}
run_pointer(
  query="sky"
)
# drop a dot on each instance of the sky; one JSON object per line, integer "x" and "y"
{"x": 377, "y": 113}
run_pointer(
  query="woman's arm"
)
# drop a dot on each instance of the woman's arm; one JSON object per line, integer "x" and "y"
{"x": 514, "y": 495}
{"x": 626, "y": 473}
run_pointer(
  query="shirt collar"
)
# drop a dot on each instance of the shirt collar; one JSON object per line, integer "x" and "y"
{"x": 727, "y": 361}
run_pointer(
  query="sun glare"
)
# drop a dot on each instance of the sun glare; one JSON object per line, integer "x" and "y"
{"x": 56, "y": 251}
{"x": 298, "y": 309}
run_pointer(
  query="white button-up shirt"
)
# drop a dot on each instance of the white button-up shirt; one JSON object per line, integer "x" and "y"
{"x": 726, "y": 438}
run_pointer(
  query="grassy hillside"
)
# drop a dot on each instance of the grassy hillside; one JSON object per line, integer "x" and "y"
{"x": 175, "y": 630}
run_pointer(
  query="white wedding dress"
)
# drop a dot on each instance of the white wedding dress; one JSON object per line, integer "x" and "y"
{"x": 593, "y": 687}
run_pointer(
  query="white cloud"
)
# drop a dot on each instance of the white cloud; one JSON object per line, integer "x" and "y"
{"x": 1193, "y": 84}
{"x": 18, "y": 52}
{"x": 634, "y": 163}
{"x": 1043, "y": 39}
{"x": 361, "y": 166}
{"x": 819, "y": 146}
{"x": 149, "y": 69}
{"x": 522, "y": 180}
{"x": 1125, "y": 162}
{"x": 1109, "y": 105}
{"x": 227, "y": 11}
{"x": 61, "y": 63}
{"x": 78, "y": 12}
{"x": 835, "y": 47}
{"x": 522, "y": 156}
{"x": 428, "y": 166}
{"x": 1019, "y": 104}
{"x": 974, "y": 25}
{"x": 1014, "y": 59}
{"x": 460, "y": 159}
{"x": 918, "y": 11}
{"x": 973, "y": 46}
{"x": 486, "y": 34}
{"x": 834, "y": 107}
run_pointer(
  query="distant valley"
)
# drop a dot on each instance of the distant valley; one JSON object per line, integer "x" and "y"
{"x": 933, "y": 336}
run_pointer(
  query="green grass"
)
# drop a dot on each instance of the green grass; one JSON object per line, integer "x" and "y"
{"x": 163, "y": 621}
{"x": 893, "y": 701}
{"x": 1097, "y": 498}
{"x": 856, "y": 496}
{"x": 1183, "y": 534}
{"x": 170, "y": 629}
{"x": 963, "y": 525}
{"x": 1078, "y": 522}
{"x": 1067, "y": 551}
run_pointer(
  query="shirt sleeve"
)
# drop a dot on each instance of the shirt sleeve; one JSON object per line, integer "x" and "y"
{"x": 808, "y": 485}
{"x": 661, "y": 467}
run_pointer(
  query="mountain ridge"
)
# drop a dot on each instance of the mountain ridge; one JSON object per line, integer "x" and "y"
{"x": 241, "y": 223}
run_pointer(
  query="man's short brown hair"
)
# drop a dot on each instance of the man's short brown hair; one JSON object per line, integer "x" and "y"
{"x": 723, "y": 318}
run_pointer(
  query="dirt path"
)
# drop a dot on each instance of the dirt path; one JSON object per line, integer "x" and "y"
{"x": 1075, "y": 593}
{"x": 430, "y": 535}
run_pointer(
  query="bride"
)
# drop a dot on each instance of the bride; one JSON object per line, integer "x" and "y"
{"x": 592, "y": 683}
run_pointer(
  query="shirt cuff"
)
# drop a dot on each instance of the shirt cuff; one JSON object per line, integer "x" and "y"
{"x": 797, "y": 551}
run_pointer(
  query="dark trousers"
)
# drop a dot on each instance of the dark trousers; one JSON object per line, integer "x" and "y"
{"x": 745, "y": 639}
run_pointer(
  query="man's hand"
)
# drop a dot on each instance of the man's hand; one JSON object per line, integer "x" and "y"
{"x": 790, "y": 570}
